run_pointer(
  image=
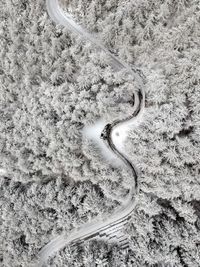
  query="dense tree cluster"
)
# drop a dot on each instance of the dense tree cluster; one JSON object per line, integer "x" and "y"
{"x": 32, "y": 213}
{"x": 52, "y": 84}
{"x": 163, "y": 37}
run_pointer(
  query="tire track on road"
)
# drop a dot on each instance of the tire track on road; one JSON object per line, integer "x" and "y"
{"x": 121, "y": 215}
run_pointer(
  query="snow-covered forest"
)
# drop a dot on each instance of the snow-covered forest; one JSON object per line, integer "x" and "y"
{"x": 53, "y": 84}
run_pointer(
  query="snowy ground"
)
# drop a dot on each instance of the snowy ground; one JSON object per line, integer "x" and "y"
{"x": 53, "y": 85}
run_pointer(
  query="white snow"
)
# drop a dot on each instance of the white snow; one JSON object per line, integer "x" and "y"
{"x": 93, "y": 132}
{"x": 3, "y": 171}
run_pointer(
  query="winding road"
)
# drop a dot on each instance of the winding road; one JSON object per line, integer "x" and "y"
{"x": 108, "y": 227}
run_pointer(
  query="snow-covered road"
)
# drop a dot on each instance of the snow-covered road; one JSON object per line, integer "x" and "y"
{"x": 112, "y": 137}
